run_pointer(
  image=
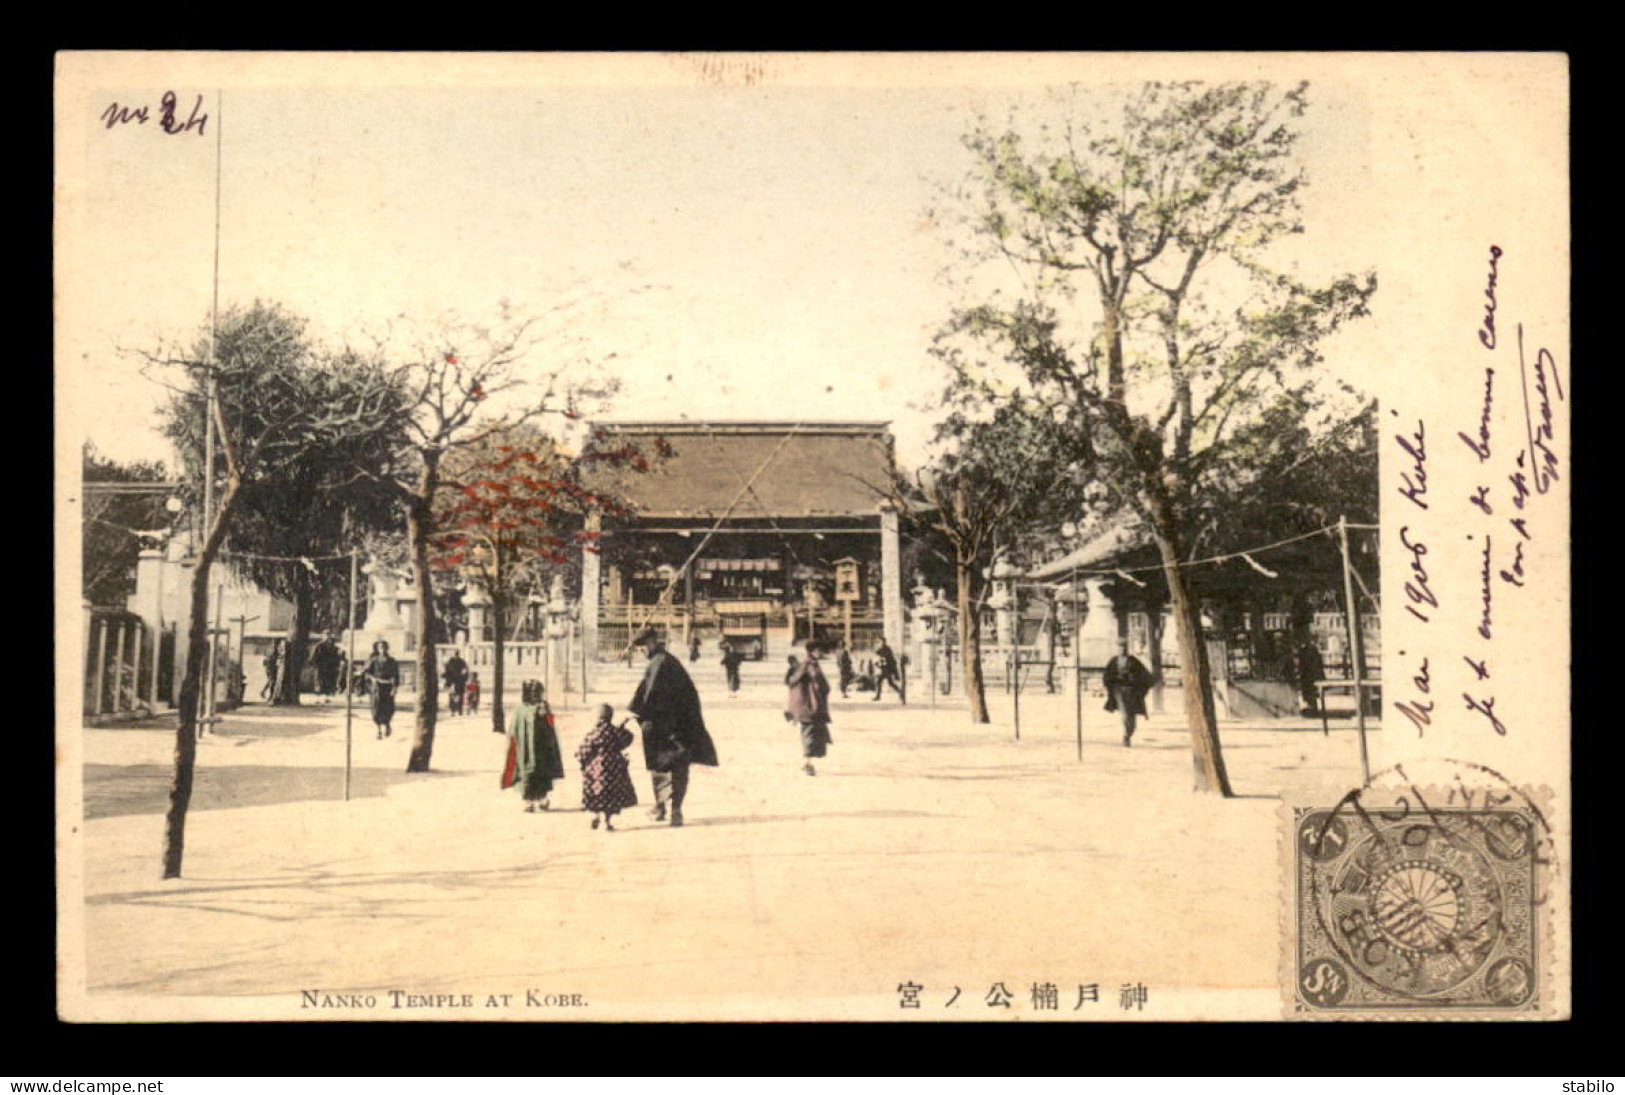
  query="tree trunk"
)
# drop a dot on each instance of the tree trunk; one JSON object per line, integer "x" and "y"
{"x": 970, "y": 637}
{"x": 1154, "y": 627}
{"x": 1207, "y": 758}
{"x": 197, "y": 652}
{"x": 304, "y": 611}
{"x": 419, "y": 527}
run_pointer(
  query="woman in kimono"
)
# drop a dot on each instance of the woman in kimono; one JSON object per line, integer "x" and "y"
{"x": 383, "y": 675}
{"x": 808, "y": 707}
{"x": 534, "y": 758}
{"x": 606, "y": 777}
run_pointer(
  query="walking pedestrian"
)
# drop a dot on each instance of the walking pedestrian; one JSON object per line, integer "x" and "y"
{"x": 843, "y": 664}
{"x": 455, "y": 674}
{"x": 1309, "y": 668}
{"x": 674, "y": 734}
{"x": 383, "y": 677}
{"x": 272, "y": 663}
{"x": 1127, "y": 680}
{"x": 325, "y": 660}
{"x": 471, "y": 694}
{"x": 534, "y": 758}
{"x": 808, "y": 707}
{"x": 693, "y": 648}
{"x": 731, "y": 660}
{"x": 886, "y": 672}
{"x": 606, "y": 777}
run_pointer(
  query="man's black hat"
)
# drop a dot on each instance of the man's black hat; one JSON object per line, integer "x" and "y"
{"x": 646, "y": 638}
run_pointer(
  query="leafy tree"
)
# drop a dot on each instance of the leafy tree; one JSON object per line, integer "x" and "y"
{"x": 327, "y": 501}
{"x": 250, "y": 396}
{"x": 993, "y": 477}
{"x": 1147, "y": 318}
{"x": 115, "y": 521}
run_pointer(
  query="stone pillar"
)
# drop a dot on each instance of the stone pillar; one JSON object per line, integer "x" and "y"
{"x": 891, "y": 580}
{"x": 479, "y": 614}
{"x": 591, "y": 564}
{"x": 1097, "y": 631}
{"x": 922, "y": 632}
{"x": 146, "y": 601}
{"x": 556, "y": 623}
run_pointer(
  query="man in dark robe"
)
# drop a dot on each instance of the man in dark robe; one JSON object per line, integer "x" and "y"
{"x": 886, "y": 672}
{"x": 674, "y": 735}
{"x": 731, "y": 660}
{"x": 325, "y": 661}
{"x": 1127, "y": 681}
{"x": 272, "y": 663}
{"x": 455, "y": 674}
{"x": 1310, "y": 667}
{"x": 843, "y": 662}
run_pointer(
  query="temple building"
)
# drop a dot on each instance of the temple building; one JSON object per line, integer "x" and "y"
{"x": 762, "y": 534}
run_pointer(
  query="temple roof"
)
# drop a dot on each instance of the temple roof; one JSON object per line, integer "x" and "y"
{"x": 805, "y": 469}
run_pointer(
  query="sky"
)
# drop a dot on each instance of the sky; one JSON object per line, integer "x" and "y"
{"x": 759, "y": 251}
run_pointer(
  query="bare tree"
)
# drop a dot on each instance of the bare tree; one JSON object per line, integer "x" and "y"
{"x": 456, "y": 380}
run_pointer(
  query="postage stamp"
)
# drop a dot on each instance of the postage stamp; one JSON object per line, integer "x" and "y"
{"x": 1405, "y": 906}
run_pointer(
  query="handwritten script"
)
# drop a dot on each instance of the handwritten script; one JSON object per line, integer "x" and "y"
{"x": 1501, "y": 508}
{"x": 118, "y": 115}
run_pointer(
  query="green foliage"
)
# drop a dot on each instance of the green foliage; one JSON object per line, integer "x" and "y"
{"x": 1149, "y": 321}
{"x": 315, "y": 434}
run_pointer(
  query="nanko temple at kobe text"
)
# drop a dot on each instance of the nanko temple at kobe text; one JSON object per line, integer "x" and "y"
{"x": 760, "y": 533}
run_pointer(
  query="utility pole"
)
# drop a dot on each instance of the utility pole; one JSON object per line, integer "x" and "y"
{"x": 1356, "y": 651}
{"x": 1077, "y": 664}
{"x": 349, "y": 684}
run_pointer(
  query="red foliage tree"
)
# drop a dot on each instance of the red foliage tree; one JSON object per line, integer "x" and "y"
{"x": 513, "y": 515}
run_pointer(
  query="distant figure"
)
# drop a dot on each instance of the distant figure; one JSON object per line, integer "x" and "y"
{"x": 1127, "y": 680}
{"x": 455, "y": 674}
{"x": 693, "y": 648}
{"x": 383, "y": 677}
{"x": 843, "y": 664}
{"x": 790, "y": 669}
{"x": 731, "y": 660}
{"x": 886, "y": 672}
{"x": 534, "y": 759}
{"x": 808, "y": 707}
{"x": 325, "y": 660}
{"x": 272, "y": 664}
{"x": 674, "y": 735}
{"x": 1310, "y": 669}
{"x": 471, "y": 697}
{"x": 606, "y": 778}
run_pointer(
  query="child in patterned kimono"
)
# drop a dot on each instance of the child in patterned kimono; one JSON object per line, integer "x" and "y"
{"x": 606, "y": 778}
{"x": 472, "y": 694}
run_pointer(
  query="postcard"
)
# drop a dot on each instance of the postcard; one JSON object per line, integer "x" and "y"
{"x": 885, "y": 537}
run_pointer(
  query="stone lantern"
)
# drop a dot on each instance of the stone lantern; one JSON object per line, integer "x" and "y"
{"x": 1002, "y": 599}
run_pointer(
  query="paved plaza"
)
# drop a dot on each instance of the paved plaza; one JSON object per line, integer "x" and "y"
{"x": 926, "y": 852}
